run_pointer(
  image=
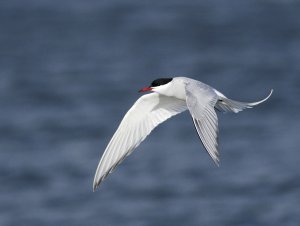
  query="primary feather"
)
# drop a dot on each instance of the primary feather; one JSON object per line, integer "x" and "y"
{"x": 147, "y": 112}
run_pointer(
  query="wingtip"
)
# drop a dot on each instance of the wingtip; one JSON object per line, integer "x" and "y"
{"x": 97, "y": 183}
{"x": 216, "y": 158}
{"x": 95, "y": 186}
{"x": 217, "y": 162}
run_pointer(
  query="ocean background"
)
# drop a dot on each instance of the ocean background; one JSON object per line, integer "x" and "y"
{"x": 69, "y": 71}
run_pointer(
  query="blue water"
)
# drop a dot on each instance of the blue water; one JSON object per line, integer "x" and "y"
{"x": 69, "y": 70}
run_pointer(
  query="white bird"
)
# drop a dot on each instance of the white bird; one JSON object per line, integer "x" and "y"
{"x": 170, "y": 97}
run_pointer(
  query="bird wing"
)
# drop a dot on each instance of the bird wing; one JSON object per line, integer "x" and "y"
{"x": 147, "y": 112}
{"x": 200, "y": 100}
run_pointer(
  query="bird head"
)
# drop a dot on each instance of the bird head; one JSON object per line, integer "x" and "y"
{"x": 157, "y": 85}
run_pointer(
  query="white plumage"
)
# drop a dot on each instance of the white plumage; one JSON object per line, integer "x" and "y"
{"x": 170, "y": 97}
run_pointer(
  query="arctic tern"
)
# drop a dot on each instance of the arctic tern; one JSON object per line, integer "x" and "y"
{"x": 169, "y": 97}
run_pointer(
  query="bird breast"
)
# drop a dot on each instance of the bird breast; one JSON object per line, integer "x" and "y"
{"x": 176, "y": 89}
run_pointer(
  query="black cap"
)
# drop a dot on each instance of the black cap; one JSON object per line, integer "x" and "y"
{"x": 161, "y": 81}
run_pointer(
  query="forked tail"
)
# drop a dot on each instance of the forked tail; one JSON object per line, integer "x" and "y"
{"x": 226, "y": 105}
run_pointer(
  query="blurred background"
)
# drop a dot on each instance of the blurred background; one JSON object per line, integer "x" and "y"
{"x": 69, "y": 70}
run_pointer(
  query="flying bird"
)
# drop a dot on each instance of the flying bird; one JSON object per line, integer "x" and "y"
{"x": 168, "y": 97}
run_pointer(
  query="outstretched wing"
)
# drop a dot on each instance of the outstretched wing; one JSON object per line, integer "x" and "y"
{"x": 200, "y": 100}
{"x": 147, "y": 112}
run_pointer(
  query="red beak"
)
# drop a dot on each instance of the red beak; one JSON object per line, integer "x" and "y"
{"x": 145, "y": 89}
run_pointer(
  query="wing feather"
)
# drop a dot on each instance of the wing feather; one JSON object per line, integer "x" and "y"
{"x": 201, "y": 100}
{"x": 149, "y": 111}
